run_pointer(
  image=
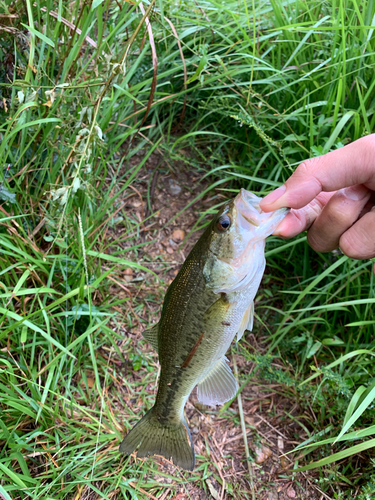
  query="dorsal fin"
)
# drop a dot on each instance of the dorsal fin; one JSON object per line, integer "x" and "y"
{"x": 151, "y": 335}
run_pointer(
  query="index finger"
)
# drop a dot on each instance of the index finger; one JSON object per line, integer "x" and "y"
{"x": 344, "y": 167}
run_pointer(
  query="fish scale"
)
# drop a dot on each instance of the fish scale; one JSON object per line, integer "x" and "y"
{"x": 207, "y": 304}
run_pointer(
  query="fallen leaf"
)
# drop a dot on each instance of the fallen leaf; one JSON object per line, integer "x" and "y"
{"x": 284, "y": 462}
{"x": 213, "y": 492}
{"x": 89, "y": 379}
{"x": 90, "y": 382}
{"x": 250, "y": 421}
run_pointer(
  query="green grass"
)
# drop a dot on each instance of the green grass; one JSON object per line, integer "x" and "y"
{"x": 267, "y": 85}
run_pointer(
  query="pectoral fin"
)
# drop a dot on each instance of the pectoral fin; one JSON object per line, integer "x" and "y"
{"x": 151, "y": 335}
{"x": 247, "y": 321}
{"x": 218, "y": 386}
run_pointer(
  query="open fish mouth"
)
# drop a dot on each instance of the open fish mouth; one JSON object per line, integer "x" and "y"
{"x": 252, "y": 227}
{"x": 248, "y": 207}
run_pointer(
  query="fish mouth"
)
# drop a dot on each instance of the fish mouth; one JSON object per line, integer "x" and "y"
{"x": 248, "y": 207}
{"x": 249, "y": 212}
{"x": 252, "y": 221}
{"x": 250, "y": 198}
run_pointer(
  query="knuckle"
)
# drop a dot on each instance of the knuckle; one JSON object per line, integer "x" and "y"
{"x": 303, "y": 168}
{"x": 311, "y": 164}
{"x": 369, "y": 140}
{"x": 305, "y": 217}
{"x": 313, "y": 210}
{"x": 368, "y": 152}
{"x": 317, "y": 204}
{"x": 307, "y": 171}
{"x": 302, "y": 217}
{"x": 306, "y": 168}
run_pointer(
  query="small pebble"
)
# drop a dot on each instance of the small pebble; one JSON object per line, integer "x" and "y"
{"x": 178, "y": 234}
{"x": 174, "y": 188}
{"x": 291, "y": 492}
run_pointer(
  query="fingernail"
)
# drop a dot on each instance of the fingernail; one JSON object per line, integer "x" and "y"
{"x": 275, "y": 195}
{"x": 356, "y": 193}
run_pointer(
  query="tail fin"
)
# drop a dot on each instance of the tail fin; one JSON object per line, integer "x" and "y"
{"x": 171, "y": 441}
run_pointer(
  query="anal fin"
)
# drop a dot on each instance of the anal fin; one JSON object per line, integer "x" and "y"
{"x": 218, "y": 386}
{"x": 151, "y": 335}
{"x": 247, "y": 321}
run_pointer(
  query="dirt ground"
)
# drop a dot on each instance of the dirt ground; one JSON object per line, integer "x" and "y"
{"x": 270, "y": 416}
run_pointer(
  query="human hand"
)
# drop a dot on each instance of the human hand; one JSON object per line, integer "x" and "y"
{"x": 333, "y": 198}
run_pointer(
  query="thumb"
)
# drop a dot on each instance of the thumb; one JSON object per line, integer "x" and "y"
{"x": 344, "y": 167}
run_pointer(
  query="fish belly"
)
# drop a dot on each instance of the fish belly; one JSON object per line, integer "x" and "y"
{"x": 222, "y": 334}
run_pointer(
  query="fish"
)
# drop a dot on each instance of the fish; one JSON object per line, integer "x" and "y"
{"x": 210, "y": 301}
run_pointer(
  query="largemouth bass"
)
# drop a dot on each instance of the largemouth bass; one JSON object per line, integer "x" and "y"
{"x": 208, "y": 303}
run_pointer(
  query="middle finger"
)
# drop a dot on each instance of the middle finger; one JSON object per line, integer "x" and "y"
{"x": 339, "y": 214}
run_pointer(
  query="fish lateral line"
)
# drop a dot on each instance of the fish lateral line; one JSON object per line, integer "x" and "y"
{"x": 192, "y": 352}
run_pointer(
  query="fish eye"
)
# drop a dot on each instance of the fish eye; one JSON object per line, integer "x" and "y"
{"x": 223, "y": 223}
